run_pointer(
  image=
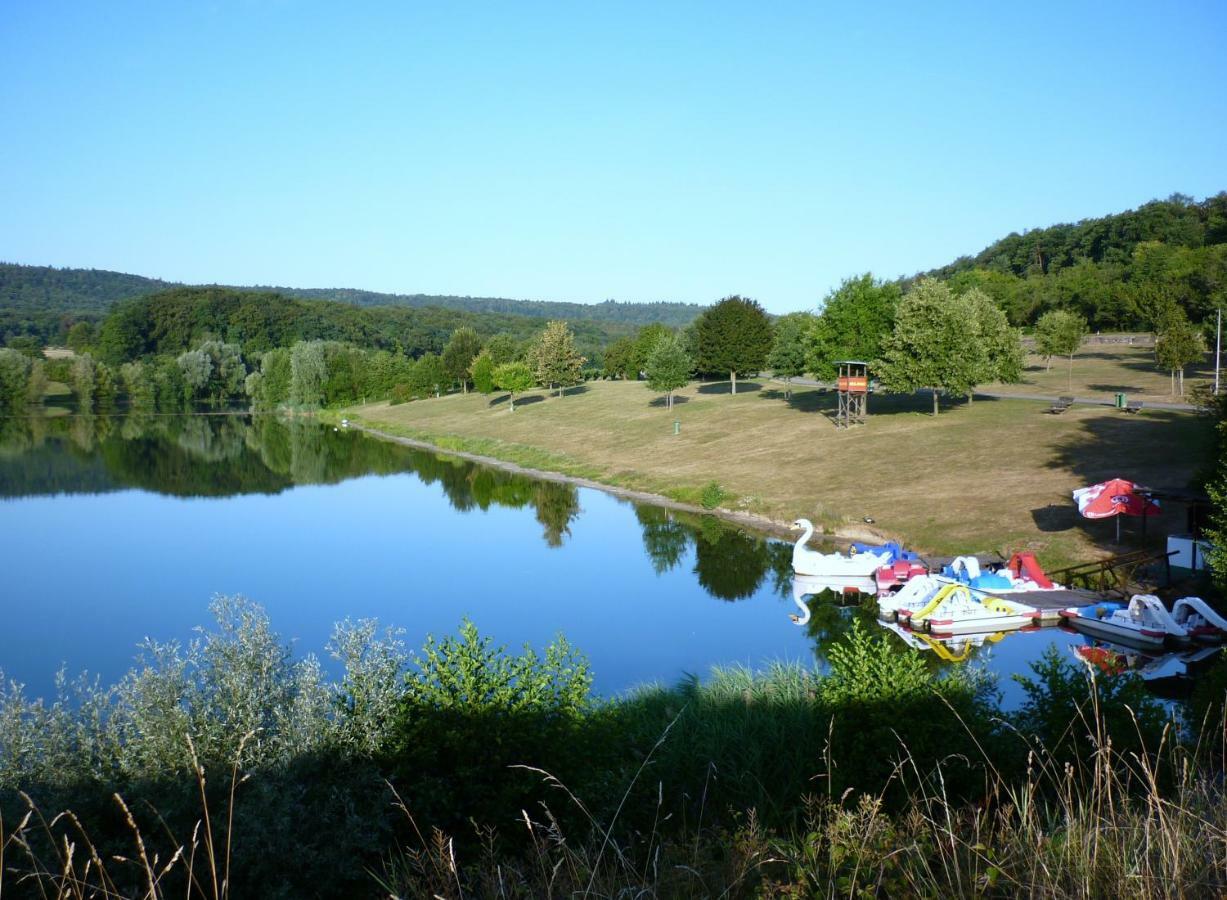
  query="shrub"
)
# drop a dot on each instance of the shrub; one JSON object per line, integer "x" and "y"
{"x": 712, "y": 496}
{"x": 470, "y": 711}
{"x": 1070, "y": 713}
{"x": 401, "y": 393}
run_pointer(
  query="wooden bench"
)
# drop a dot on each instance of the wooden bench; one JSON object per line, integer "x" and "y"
{"x": 1132, "y": 406}
{"x": 1060, "y": 405}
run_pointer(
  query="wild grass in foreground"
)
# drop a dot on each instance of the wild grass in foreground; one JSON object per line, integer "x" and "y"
{"x": 227, "y": 769}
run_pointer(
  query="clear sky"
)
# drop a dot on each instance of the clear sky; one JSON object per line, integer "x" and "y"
{"x": 581, "y": 151}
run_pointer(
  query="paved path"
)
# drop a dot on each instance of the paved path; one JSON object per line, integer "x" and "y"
{"x": 1042, "y": 398}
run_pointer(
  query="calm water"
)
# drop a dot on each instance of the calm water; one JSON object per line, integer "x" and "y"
{"x": 114, "y": 529}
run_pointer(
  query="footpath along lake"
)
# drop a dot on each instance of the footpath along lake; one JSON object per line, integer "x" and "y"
{"x": 118, "y": 528}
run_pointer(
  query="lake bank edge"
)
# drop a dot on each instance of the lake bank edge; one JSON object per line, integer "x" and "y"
{"x": 753, "y": 521}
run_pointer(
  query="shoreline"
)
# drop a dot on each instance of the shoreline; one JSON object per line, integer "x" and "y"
{"x": 752, "y": 521}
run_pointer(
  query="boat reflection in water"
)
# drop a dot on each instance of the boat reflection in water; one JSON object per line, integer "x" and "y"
{"x": 1166, "y": 674}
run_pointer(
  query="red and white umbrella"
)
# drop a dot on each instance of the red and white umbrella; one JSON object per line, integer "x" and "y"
{"x": 1116, "y": 497}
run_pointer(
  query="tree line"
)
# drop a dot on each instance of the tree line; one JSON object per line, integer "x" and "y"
{"x": 1123, "y": 271}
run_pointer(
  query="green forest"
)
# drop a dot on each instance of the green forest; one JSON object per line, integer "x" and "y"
{"x": 45, "y": 302}
{"x": 1122, "y": 271}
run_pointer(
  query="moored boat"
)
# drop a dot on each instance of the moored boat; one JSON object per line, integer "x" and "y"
{"x": 1199, "y": 620}
{"x": 958, "y": 609}
{"x": 833, "y": 565}
{"x": 1144, "y": 621}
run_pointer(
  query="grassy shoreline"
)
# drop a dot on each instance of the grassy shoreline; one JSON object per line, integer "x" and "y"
{"x": 992, "y": 475}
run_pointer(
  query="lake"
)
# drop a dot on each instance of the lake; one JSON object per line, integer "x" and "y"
{"x": 119, "y": 528}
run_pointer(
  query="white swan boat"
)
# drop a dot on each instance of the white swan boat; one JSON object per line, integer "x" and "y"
{"x": 832, "y": 565}
{"x": 1144, "y": 622}
{"x": 1199, "y": 620}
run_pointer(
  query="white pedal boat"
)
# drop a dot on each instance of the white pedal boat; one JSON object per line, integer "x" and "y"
{"x": 1144, "y": 622}
{"x": 957, "y": 609}
{"x": 1199, "y": 620}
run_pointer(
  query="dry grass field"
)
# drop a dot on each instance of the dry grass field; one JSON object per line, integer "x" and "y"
{"x": 1107, "y": 369}
{"x": 995, "y": 475}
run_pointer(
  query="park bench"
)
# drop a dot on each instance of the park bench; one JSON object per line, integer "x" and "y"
{"x": 1061, "y": 404}
{"x": 1133, "y": 406}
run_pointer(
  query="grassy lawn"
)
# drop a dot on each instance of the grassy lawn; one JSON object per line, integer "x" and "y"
{"x": 1106, "y": 369}
{"x": 996, "y": 475}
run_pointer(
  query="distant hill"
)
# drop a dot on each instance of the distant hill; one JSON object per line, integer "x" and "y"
{"x": 43, "y": 290}
{"x": 1179, "y": 221}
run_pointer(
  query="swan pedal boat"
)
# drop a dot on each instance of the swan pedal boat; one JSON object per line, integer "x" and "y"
{"x": 1199, "y": 620}
{"x": 1144, "y": 622}
{"x": 832, "y": 565}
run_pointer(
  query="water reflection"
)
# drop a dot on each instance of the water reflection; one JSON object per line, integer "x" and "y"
{"x": 228, "y": 455}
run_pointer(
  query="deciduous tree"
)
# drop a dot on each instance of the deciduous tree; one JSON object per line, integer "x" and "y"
{"x": 429, "y": 375}
{"x": 932, "y": 345}
{"x": 856, "y": 318}
{"x": 668, "y": 367}
{"x": 999, "y": 353}
{"x": 1178, "y": 346}
{"x": 619, "y": 358}
{"x": 458, "y": 355}
{"x": 788, "y": 355}
{"x": 555, "y": 359}
{"x": 514, "y": 378}
{"x": 733, "y": 336}
{"x": 1059, "y": 332}
{"x": 308, "y": 372}
{"x": 482, "y": 373}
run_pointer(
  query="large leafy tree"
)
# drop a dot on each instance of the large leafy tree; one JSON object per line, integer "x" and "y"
{"x": 308, "y": 372}
{"x": 83, "y": 371}
{"x": 14, "y": 379}
{"x": 788, "y": 356}
{"x": 514, "y": 378}
{"x": 555, "y": 359}
{"x": 619, "y": 358}
{"x": 999, "y": 354}
{"x": 1059, "y": 332}
{"x": 1178, "y": 346}
{"x": 458, "y": 355}
{"x": 482, "y": 372}
{"x": 932, "y": 345}
{"x": 733, "y": 336}
{"x": 429, "y": 375}
{"x": 856, "y": 318}
{"x": 668, "y": 367}
{"x": 645, "y": 341}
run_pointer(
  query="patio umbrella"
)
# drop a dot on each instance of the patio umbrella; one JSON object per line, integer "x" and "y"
{"x": 1116, "y": 497}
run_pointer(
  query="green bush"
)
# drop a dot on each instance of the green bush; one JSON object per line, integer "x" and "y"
{"x": 470, "y": 712}
{"x": 401, "y": 393}
{"x": 891, "y": 718}
{"x": 1069, "y": 714}
{"x": 712, "y": 496}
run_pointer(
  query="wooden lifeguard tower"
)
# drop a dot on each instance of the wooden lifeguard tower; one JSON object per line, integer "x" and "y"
{"x": 853, "y": 387}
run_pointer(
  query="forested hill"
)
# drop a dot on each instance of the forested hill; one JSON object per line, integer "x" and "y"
{"x": 1179, "y": 221}
{"x": 674, "y": 315}
{"x": 1125, "y": 270}
{"x": 43, "y": 289}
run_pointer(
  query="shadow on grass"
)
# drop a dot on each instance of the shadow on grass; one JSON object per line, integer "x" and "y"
{"x": 1053, "y": 518}
{"x": 526, "y": 400}
{"x": 1161, "y": 449}
{"x": 662, "y": 402}
{"x": 725, "y": 387}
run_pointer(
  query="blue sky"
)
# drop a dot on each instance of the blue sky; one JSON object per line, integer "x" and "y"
{"x": 581, "y": 151}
